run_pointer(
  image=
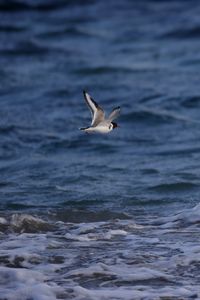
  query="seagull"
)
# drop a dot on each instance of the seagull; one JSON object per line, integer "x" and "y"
{"x": 99, "y": 123}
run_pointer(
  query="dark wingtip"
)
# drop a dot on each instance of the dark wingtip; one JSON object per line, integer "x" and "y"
{"x": 84, "y": 92}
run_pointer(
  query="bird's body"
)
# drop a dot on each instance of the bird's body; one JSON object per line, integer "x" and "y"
{"x": 99, "y": 123}
{"x": 100, "y": 128}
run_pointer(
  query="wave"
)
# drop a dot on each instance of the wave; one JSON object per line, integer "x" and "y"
{"x": 191, "y": 102}
{"x": 183, "y": 33}
{"x": 179, "y": 151}
{"x": 62, "y": 144}
{"x": 6, "y": 129}
{"x": 17, "y": 5}
{"x": 143, "y": 115}
{"x": 82, "y": 215}
{"x": 102, "y": 70}
{"x": 25, "y": 48}
{"x": 28, "y": 284}
{"x": 183, "y": 219}
{"x": 174, "y": 187}
{"x": 24, "y": 223}
{"x": 68, "y": 32}
{"x": 11, "y": 28}
{"x": 156, "y": 115}
{"x": 125, "y": 257}
{"x": 90, "y": 144}
{"x": 115, "y": 69}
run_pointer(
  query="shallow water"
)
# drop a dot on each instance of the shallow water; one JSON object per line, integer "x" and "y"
{"x": 99, "y": 216}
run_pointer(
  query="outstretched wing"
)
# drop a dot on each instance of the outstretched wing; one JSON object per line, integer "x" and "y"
{"x": 97, "y": 112}
{"x": 114, "y": 114}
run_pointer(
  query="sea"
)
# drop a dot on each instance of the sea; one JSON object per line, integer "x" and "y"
{"x": 99, "y": 216}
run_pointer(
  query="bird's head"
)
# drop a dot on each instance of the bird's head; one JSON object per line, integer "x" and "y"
{"x": 114, "y": 125}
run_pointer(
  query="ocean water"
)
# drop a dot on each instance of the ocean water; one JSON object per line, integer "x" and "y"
{"x": 95, "y": 217}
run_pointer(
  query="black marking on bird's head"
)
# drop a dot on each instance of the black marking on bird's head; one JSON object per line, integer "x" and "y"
{"x": 114, "y": 125}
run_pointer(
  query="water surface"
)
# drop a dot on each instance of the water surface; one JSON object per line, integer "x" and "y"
{"x": 99, "y": 216}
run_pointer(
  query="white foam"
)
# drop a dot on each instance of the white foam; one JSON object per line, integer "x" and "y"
{"x": 81, "y": 238}
{"x": 96, "y": 231}
{"x": 190, "y": 254}
{"x": 87, "y": 227}
{"x": 107, "y": 235}
{"x": 3, "y": 221}
{"x": 25, "y": 246}
{"x": 26, "y": 284}
{"x": 183, "y": 218}
{"x": 121, "y": 272}
{"x": 111, "y": 260}
{"x": 23, "y": 221}
{"x": 136, "y": 293}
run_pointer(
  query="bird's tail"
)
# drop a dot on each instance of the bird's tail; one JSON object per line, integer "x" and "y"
{"x": 83, "y": 128}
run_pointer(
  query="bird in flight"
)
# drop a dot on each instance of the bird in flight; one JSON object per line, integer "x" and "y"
{"x": 100, "y": 124}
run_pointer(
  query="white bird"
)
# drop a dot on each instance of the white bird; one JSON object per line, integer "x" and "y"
{"x": 99, "y": 123}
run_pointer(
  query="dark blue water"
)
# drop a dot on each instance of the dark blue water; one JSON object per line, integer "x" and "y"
{"x": 141, "y": 55}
